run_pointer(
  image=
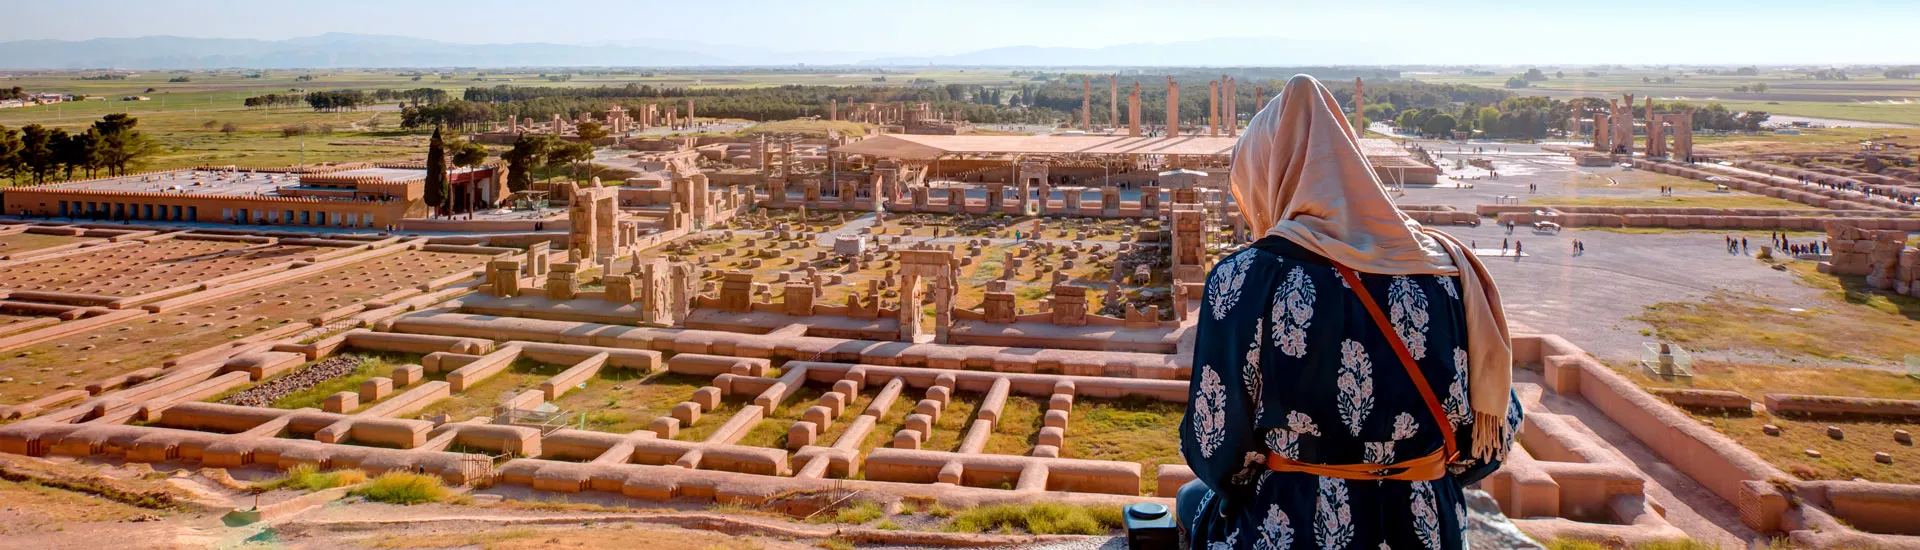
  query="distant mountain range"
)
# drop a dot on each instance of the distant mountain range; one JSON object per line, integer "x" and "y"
{"x": 341, "y": 50}
{"x": 327, "y": 50}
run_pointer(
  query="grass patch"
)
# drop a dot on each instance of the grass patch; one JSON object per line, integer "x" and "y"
{"x": 856, "y": 513}
{"x": 1853, "y": 323}
{"x": 1043, "y": 518}
{"x": 372, "y": 364}
{"x": 307, "y": 477}
{"x": 1128, "y": 430}
{"x": 405, "y": 488}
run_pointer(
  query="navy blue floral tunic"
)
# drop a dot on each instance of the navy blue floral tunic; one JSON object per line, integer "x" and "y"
{"x": 1289, "y": 361}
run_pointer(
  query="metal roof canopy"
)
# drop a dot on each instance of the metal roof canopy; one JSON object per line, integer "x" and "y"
{"x": 928, "y": 147}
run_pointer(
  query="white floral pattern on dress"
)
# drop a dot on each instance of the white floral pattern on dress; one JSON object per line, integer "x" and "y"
{"x": 1456, "y": 403}
{"x": 1356, "y": 385}
{"x": 1276, "y": 531}
{"x": 1381, "y": 452}
{"x": 1426, "y": 515}
{"x": 1292, "y": 313}
{"x": 1225, "y": 284}
{"x": 1333, "y": 519}
{"x": 1233, "y": 540}
{"x": 1286, "y": 441}
{"x": 1460, "y": 522}
{"x": 1446, "y": 283}
{"x": 1409, "y": 314}
{"x": 1211, "y": 427}
{"x": 1250, "y": 372}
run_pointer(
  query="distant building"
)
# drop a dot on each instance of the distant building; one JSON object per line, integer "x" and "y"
{"x": 361, "y": 197}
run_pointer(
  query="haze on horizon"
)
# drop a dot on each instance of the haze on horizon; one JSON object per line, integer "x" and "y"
{"x": 1390, "y": 31}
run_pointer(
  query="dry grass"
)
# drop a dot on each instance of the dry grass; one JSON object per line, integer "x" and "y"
{"x": 306, "y": 477}
{"x": 1127, "y": 430}
{"x": 31, "y": 505}
{"x": 622, "y": 535}
{"x": 1852, "y": 324}
{"x": 1042, "y": 518}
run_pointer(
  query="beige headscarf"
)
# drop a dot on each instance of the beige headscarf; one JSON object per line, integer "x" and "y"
{"x": 1299, "y": 172}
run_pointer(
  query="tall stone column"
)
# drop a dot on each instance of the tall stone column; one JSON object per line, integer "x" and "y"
{"x": 1086, "y": 105}
{"x": 1233, "y": 108}
{"x": 1213, "y": 108}
{"x": 1173, "y": 107}
{"x": 1133, "y": 111}
{"x": 996, "y": 197}
{"x": 1359, "y": 108}
{"x": 1113, "y": 102}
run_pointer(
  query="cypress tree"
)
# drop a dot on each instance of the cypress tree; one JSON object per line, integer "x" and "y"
{"x": 436, "y": 192}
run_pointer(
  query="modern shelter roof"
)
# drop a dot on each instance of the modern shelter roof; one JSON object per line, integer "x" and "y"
{"x": 927, "y": 147}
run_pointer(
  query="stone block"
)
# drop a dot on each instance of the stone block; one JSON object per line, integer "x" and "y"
{"x": 945, "y": 380}
{"x": 834, "y": 401}
{"x": 664, "y": 427}
{"x": 1060, "y": 402}
{"x": 1046, "y": 451}
{"x": 906, "y": 439}
{"x": 687, "y": 412}
{"x": 341, "y": 402}
{"x": 919, "y": 423}
{"x": 819, "y": 415}
{"x": 847, "y": 386}
{"x": 708, "y": 398}
{"x": 1052, "y": 435}
{"x": 375, "y": 388}
{"x": 1055, "y": 419}
{"x": 407, "y": 375}
{"x": 801, "y": 434}
{"x": 928, "y": 407}
{"x": 942, "y": 394}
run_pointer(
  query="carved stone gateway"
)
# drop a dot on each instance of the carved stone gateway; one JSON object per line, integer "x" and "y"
{"x": 938, "y": 268}
{"x": 592, "y": 214}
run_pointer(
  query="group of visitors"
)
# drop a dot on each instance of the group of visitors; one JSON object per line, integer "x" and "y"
{"x": 1781, "y": 242}
{"x": 1666, "y": 191}
{"x": 1736, "y": 245}
{"x": 1868, "y": 190}
{"x": 1579, "y": 247}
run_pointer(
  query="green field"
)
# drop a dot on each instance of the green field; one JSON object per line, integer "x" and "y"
{"x": 186, "y": 117}
{"x": 1863, "y": 97}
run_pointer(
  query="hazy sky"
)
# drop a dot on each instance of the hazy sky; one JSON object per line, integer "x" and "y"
{"x": 1494, "y": 30}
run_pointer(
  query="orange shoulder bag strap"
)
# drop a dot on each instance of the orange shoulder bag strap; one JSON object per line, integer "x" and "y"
{"x": 1406, "y": 359}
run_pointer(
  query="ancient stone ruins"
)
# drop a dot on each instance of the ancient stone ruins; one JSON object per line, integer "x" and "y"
{"x": 915, "y": 313}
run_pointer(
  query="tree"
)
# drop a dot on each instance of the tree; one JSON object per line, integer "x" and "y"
{"x": 590, "y": 131}
{"x": 120, "y": 146}
{"x": 1559, "y": 74}
{"x": 1747, "y": 71}
{"x": 38, "y": 153}
{"x": 229, "y": 129}
{"x": 1489, "y": 120}
{"x": 9, "y": 152}
{"x": 528, "y": 152}
{"x": 78, "y": 152}
{"x": 563, "y": 155}
{"x": 1438, "y": 125}
{"x": 436, "y": 191}
{"x": 1534, "y": 75}
{"x": 1751, "y": 120}
{"x": 1759, "y": 87}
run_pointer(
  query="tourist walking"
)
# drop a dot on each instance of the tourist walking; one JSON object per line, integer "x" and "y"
{"x": 1379, "y": 458}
